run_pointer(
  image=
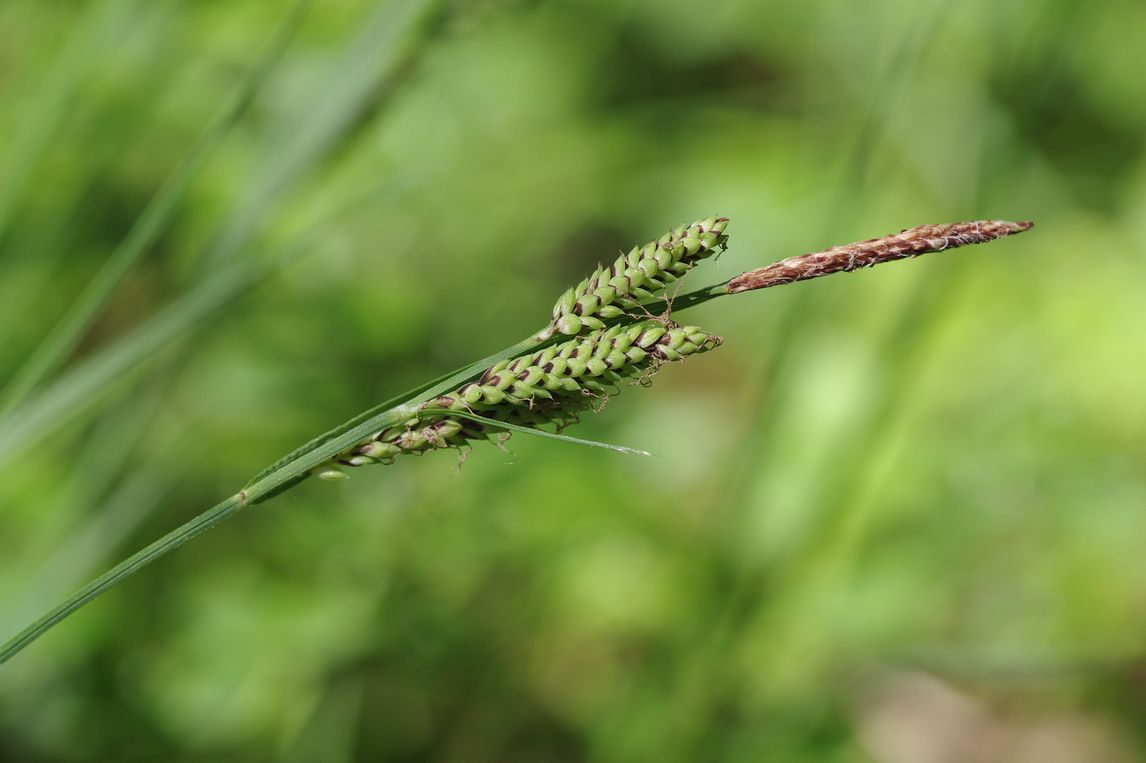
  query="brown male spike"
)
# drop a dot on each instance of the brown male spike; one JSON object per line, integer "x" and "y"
{"x": 864, "y": 254}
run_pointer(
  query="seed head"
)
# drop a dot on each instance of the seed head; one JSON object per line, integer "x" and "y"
{"x": 636, "y": 277}
{"x": 548, "y": 387}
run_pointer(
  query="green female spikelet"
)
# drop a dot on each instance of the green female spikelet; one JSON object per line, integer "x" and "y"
{"x": 635, "y": 277}
{"x": 548, "y": 387}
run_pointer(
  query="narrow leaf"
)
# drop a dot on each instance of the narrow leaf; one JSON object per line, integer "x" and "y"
{"x": 62, "y": 340}
{"x": 534, "y": 432}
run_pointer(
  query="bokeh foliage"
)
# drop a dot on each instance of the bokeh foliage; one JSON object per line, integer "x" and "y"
{"x": 895, "y": 505}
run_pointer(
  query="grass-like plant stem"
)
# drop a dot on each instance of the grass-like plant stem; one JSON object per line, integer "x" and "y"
{"x": 62, "y": 340}
{"x": 296, "y": 466}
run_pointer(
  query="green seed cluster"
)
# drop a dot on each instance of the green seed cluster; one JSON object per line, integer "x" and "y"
{"x": 590, "y": 363}
{"x": 548, "y": 387}
{"x": 635, "y": 277}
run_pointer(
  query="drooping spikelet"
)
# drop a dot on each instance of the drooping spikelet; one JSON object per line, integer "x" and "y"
{"x": 636, "y": 277}
{"x": 548, "y": 387}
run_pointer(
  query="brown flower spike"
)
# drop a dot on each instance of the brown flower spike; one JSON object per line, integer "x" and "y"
{"x": 863, "y": 254}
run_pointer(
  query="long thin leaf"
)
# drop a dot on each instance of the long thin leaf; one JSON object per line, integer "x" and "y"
{"x": 366, "y": 73}
{"x": 44, "y": 414}
{"x": 62, "y": 340}
{"x": 533, "y": 432}
{"x": 285, "y": 474}
{"x": 82, "y": 551}
{"x": 109, "y": 579}
{"x": 92, "y": 380}
{"x": 54, "y": 97}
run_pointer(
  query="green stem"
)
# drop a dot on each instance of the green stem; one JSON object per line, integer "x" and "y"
{"x": 279, "y": 477}
{"x": 296, "y": 466}
{"x": 691, "y": 299}
{"x": 116, "y": 574}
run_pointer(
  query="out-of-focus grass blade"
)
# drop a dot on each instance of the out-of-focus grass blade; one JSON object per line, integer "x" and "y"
{"x": 21, "y": 427}
{"x": 93, "y": 468}
{"x": 330, "y": 733}
{"x": 42, "y": 115}
{"x": 88, "y": 518}
{"x": 91, "y": 380}
{"x": 87, "y": 546}
{"x": 63, "y": 338}
{"x": 534, "y": 432}
{"x": 115, "y": 575}
{"x": 705, "y": 654}
{"x": 86, "y": 384}
{"x": 360, "y": 79}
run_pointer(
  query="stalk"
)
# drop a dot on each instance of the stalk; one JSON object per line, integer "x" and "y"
{"x": 296, "y": 466}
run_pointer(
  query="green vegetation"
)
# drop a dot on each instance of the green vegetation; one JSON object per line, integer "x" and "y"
{"x": 908, "y": 504}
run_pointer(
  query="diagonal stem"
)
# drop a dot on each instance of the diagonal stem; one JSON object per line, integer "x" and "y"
{"x": 115, "y": 575}
{"x": 295, "y": 467}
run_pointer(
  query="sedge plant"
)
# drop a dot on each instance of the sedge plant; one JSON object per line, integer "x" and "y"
{"x": 615, "y": 327}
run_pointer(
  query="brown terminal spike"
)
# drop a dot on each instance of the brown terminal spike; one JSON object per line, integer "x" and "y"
{"x": 864, "y": 254}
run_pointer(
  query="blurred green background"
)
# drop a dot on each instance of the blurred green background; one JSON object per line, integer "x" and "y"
{"x": 899, "y": 516}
